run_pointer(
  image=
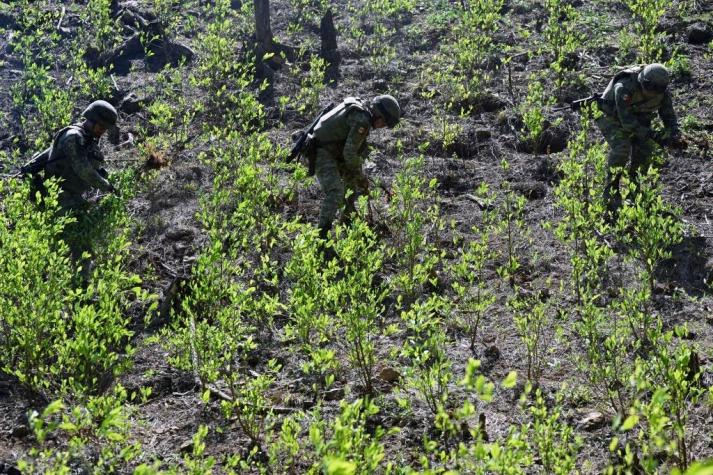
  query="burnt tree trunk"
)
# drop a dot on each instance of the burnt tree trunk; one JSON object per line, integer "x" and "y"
{"x": 263, "y": 32}
{"x": 329, "y": 50}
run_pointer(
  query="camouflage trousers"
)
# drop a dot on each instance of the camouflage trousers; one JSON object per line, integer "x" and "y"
{"x": 621, "y": 148}
{"x": 336, "y": 178}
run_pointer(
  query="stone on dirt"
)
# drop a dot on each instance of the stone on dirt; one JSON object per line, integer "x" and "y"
{"x": 334, "y": 394}
{"x": 9, "y": 469}
{"x": 592, "y": 421}
{"x": 131, "y": 104}
{"x": 699, "y": 33}
{"x": 389, "y": 375}
{"x": 179, "y": 233}
{"x": 532, "y": 190}
{"x": 186, "y": 447}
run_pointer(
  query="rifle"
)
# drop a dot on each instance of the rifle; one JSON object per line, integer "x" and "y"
{"x": 581, "y": 103}
{"x": 303, "y": 134}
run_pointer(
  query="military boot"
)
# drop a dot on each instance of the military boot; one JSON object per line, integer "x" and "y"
{"x": 325, "y": 249}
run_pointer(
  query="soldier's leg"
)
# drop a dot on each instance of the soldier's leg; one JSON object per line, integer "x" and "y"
{"x": 641, "y": 158}
{"x": 619, "y": 151}
{"x": 72, "y": 204}
{"x": 327, "y": 171}
{"x": 357, "y": 185}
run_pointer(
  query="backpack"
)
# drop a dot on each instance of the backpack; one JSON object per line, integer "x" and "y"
{"x": 40, "y": 160}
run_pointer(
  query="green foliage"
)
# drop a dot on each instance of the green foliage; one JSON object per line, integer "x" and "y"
{"x": 102, "y": 31}
{"x": 647, "y": 14}
{"x": 104, "y": 421}
{"x": 513, "y": 226}
{"x": 533, "y": 110}
{"x": 357, "y": 299}
{"x": 310, "y": 321}
{"x": 533, "y": 321}
{"x": 563, "y": 38}
{"x": 311, "y": 86}
{"x": 414, "y": 219}
{"x": 351, "y": 448}
{"x": 83, "y": 329}
{"x": 648, "y": 224}
{"x": 555, "y": 441}
{"x": 668, "y": 386}
{"x": 473, "y": 297}
{"x": 460, "y": 68}
{"x": 579, "y": 195}
{"x": 429, "y": 368}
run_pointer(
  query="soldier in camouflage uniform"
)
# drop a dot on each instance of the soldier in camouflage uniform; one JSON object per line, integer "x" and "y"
{"x": 76, "y": 159}
{"x": 340, "y": 141}
{"x": 629, "y": 103}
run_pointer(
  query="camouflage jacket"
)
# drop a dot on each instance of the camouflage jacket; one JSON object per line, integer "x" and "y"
{"x": 344, "y": 129}
{"x": 625, "y": 100}
{"x": 76, "y": 158}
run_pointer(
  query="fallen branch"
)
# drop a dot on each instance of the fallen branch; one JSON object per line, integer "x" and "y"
{"x": 61, "y": 18}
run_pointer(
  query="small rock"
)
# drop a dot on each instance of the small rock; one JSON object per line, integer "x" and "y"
{"x": 491, "y": 102}
{"x": 180, "y": 52}
{"x": 699, "y": 33}
{"x": 179, "y": 233}
{"x": 483, "y": 134}
{"x": 532, "y": 190}
{"x": 6, "y": 21}
{"x": 389, "y": 375}
{"x": 661, "y": 288}
{"x": 380, "y": 85}
{"x": 20, "y": 432}
{"x": 593, "y": 420}
{"x": 186, "y": 447}
{"x": 489, "y": 338}
{"x": 9, "y": 469}
{"x": 334, "y": 394}
{"x": 492, "y": 353}
{"x": 130, "y": 104}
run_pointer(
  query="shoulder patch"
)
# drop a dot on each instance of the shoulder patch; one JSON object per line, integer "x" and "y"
{"x": 362, "y": 130}
{"x": 626, "y": 98}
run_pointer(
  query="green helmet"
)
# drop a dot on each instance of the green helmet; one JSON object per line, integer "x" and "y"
{"x": 654, "y": 77}
{"x": 102, "y": 113}
{"x": 388, "y": 107}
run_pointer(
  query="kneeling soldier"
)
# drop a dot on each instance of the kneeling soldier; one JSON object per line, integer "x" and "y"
{"x": 75, "y": 157}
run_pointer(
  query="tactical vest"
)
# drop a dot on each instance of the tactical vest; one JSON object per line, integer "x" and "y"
{"x": 332, "y": 127}
{"x": 640, "y": 105}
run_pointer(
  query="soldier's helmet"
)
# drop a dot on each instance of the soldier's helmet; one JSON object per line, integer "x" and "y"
{"x": 102, "y": 113}
{"x": 388, "y": 107}
{"x": 654, "y": 77}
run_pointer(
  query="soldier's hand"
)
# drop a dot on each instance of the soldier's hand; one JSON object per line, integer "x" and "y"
{"x": 115, "y": 191}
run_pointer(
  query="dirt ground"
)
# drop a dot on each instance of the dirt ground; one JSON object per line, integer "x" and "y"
{"x": 171, "y": 236}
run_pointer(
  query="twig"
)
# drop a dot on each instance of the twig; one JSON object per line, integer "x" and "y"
{"x": 61, "y": 18}
{"x": 478, "y": 201}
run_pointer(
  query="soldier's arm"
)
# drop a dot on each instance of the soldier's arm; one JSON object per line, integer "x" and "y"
{"x": 77, "y": 156}
{"x": 623, "y": 98}
{"x": 668, "y": 115}
{"x": 359, "y": 124}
